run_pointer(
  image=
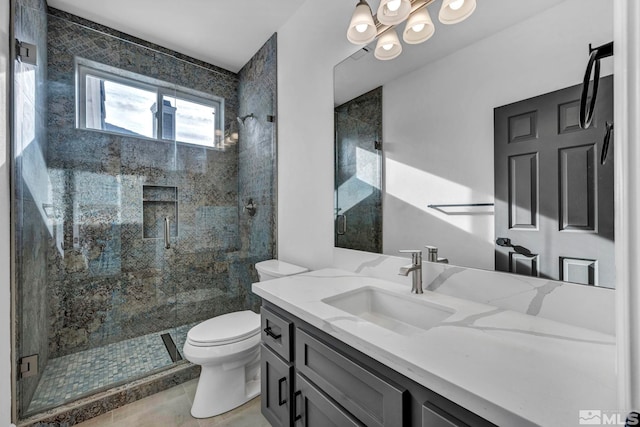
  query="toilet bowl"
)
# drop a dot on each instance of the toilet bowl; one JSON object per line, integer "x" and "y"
{"x": 228, "y": 349}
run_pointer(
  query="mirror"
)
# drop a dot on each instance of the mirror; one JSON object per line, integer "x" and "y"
{"x": 418, "y": 154}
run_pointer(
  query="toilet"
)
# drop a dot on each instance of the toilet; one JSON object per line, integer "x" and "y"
{"x": 228, "y": 349}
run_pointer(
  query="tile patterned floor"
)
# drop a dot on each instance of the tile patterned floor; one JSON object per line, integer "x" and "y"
{"x": 171, "y": 408}
{"x": 69, "y": 377}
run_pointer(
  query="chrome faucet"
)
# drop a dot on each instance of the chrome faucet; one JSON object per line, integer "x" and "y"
{"x": 432, "y": 255}
{"x": 415, "y": 267}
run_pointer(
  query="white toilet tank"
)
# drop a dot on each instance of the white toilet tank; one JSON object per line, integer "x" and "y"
{"x": 273, "y": 269}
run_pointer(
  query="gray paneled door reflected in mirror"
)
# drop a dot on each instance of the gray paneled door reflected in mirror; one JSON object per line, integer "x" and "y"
{"x": 439, "y": 99}
{"x": 554, "y": 198}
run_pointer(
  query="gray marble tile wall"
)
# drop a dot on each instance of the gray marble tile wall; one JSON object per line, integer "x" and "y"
{"x": 358, "y": 167}
{"x": 108, "y": 282}
{"x": 32, "y": 192}
{"x": 257, "y": 161}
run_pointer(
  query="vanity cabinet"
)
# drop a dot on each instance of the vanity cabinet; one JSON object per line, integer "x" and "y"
{"x": 319, "y": 381}
{"x": 371, "y": 398}
{"x": 316, "y": 409}
{"x": 276, "y": 388}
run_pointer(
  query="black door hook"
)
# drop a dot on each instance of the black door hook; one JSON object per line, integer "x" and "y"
{"x": 595, "y": 55}
{"x": 605, "y": 144}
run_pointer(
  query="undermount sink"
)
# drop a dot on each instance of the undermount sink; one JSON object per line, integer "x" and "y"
{"x": 404, "y": 314}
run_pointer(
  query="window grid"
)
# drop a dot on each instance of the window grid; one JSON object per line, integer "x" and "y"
{"x": 196, "y": 129}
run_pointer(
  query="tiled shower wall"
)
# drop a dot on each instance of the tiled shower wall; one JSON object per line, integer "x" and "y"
{"x": 32, "y": 190}
{"x": 106, "y": 281}
{"x": 257, "y": 160}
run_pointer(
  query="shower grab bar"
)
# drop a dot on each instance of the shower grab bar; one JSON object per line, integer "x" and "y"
{"x": 167, "y": 243}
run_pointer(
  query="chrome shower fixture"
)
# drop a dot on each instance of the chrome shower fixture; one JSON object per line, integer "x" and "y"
{"x": 242, "y": 119}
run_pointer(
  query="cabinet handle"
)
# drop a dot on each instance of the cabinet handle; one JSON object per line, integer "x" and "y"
{"x": 296, "y": 417}
{"x": 269, "y": 332}
{"x": 280, "y": 401}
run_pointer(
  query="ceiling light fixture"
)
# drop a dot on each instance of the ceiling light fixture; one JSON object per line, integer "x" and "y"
{"x": 454, "y": 11}
{"x": 388, "y": 46}
{"x": 364, "y": 27}
{"x": 393, "y": 12}
{"x": 419, "y": 27}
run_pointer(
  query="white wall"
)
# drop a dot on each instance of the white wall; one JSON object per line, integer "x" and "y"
{"x": 309, "y": 45}
{"x": 5, "y": 278}
{"x": 438, "y": 124}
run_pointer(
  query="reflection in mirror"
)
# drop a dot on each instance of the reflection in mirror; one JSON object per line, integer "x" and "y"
{"x": 358, "y": 173}
{"x": 522, "y": 66}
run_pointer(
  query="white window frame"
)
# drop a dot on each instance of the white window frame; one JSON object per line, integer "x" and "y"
{"x": 85, "y": 68}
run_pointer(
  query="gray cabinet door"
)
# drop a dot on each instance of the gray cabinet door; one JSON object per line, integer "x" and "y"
{"x": 374, "y": 400}
{"x": 277, "y": 386}
{"x": 554, "y": 200}
{"x": 314, "y": 409}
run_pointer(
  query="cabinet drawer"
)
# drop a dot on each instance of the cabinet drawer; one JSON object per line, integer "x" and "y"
{"x": 440, "y": 412}
{"x": 312, "y": 408}
{"x": 276, "y": 333}
{"x": 372, "y": 399}
{"x": 276, "y": 388}
{"x": 433, "y": 416}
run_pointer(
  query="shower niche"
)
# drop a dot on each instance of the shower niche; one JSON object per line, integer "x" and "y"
{"x": 159, "y": 203}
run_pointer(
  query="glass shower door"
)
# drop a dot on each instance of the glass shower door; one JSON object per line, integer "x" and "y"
{"x": 31, "y": 205}
{"x": 96, "y": 300}
{"x": 358, "y": 173}
{"x": 203, "y": 263}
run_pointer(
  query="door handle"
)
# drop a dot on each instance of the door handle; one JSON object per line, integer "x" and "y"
{"x": 506, "y": 243}
{"x": 167, "y": 230}
{"x": 341, "y": 231}
{"x": 280, "y": 400}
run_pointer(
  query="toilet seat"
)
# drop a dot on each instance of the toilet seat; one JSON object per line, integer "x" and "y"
{"x": 225, "y": 329}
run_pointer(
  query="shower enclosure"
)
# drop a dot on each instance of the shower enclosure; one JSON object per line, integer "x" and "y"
{"x": 358, "y": 173}
{"x": 127, "y": 221}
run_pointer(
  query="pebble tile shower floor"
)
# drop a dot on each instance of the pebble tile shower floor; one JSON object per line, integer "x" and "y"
{"x": 72, "y": 376}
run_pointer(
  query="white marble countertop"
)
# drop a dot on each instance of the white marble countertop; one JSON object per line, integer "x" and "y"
{"x": 510, "y": 368}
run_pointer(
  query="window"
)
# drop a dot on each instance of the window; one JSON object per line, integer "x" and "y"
{"x": 117, "y": 101}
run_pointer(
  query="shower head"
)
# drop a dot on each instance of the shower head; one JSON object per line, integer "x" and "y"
{"x": 242, "y": 119}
